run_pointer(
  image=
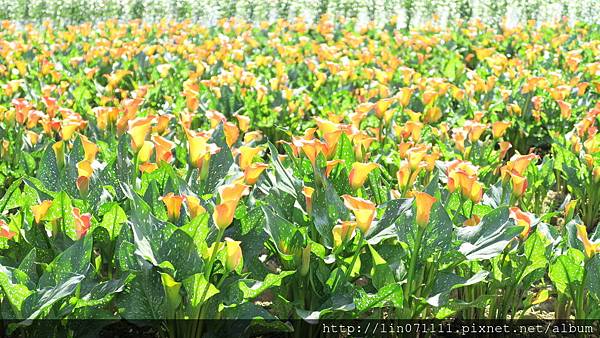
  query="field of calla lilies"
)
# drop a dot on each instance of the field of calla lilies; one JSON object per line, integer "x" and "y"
{"x": 282, "y": 171}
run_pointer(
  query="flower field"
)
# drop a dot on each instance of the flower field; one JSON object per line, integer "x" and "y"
{"x": 154, "y": 171}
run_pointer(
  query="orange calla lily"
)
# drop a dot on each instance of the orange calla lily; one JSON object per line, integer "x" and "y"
{"x": 223, "y": 213}
{"x": 5, "y": 230}
{"x": 253, "y": 172}
{"x": 499, "y": 128}
{"x": 173, "y": 203}
{"x": 308, "y": 192}
{"x": 233, "y": 254}
{"x": 233, "y": 192}
{"x": 39, "y": 211}
{"x": 363, "y": 210}
{"x": 145, "y": 152}
{"x": 523, "y": 219}
{"x": 82, "y": 223}
{"x": 163, "y": 148}
{"x": 589, "y": 247}
{"x": 90, "y": 149}
{"x": 138, "y": 130}
{"x": 343, "y": 232}
{"x": 359, "y": 173}
{"x": 194, "y": 206}
{"x": 424, "y": 203}
{"x": 247, "y": 154}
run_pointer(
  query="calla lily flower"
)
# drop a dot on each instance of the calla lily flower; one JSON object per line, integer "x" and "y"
{"x": 589, "y": 247}
{"x": 233, "y": 192}
{"x": 233, "y": 253}
{"x": 39, "y": 211}
{"x": 82, "y": 223}
{"x": 173, "y": 203}
{"x": 308, "y": 193}
{"x": 424, "y": 203}
{"x": 138, "y": 130}
{"x": 359, "y": 173}
{"x": 499, "y": 128}
{"x": 363, "y": 210}
{"x": 223, "y": 213}
{"x": 5, "y": 231}
{"x": 523, "y": 219}
{"x": 194, "y": 206}
{"x": 253, "y": 172}
{"x": 247, "y": 154}
{"x": 343, "y": 232}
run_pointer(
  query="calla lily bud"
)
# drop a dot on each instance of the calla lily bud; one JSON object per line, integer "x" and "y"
{"x": 59, "y": 152}
{"x": 233, "y": 253}
{"x": 305, "y": 266}
{"x": 308, "y": 192}
{"x": 424, "y": 203}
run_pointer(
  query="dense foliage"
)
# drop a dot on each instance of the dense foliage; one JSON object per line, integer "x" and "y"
{"x": 288, "y": 170}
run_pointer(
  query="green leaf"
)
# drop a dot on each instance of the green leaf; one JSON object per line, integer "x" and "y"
{"x": 113, "y": 219}
{"x": 535, "y": 253}
{"x": 199, "y": 290}
{"x": 447, "y": 281}
{"x": 44, "y": 298}
{"x": 62, "y": 210}
{"x": 381, "y": 272}
{"x": 567, "y": 272}
{"x": 75, "y": 260}
{"x": 489, "y": 238}
{"x": 15, "y": 293}
{"x": 144, "y": 297}
{"x": 389, "y": 294}
{"x": 592, "y": 276}
{"x": 252, "y": 289}
{"x": 220, "y": 163}
{"x": 12, "y": 197}
{"x": 48, "y": 172}
{"x": 385, "y": 227}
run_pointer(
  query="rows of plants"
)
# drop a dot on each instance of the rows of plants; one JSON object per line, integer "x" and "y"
{"x": 294, "y": 171}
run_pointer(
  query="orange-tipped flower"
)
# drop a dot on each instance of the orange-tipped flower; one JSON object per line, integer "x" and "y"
{"x": 200, "y": 152}
{"x": 308, "y": 192}
{"x": 223, "y": 214}
{"x": 589, "y": 247}
{"x": 519, "y": 184}
{"x": 90, "y": 149}
{"x": 499, "y": 128}
{"x": 363, "y": 210}
{"x": 173, "y": 203}
{"x": 424, "y": 203}
{"x": 247, "y": 154}
{"x": 233, "y": 253}
{"x": 145, "y": 152}
{"x": 39, "y": 211}
{"x": 82, "y": 223}
{"x": 253, "y": 172}
{"x": 343, "y": 232}
{"x": 59, "y": 152}
{"x": 523, "y": 219}
{"x": 194, "y": 206}
{"x": 359, "y": 173}
{"x": 233, "y": 192}
{"x": 5, "y": 230}
{"x": 473, "y": 221}
{"x": 138, "y": 130}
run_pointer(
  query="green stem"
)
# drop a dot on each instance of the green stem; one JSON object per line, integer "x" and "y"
{"x": 412, "y": 267}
